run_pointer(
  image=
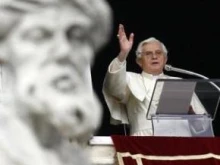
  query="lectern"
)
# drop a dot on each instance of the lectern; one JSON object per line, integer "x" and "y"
{"x": 184, "y": 107}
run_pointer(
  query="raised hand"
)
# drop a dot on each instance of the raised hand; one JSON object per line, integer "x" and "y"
{"x": 124, "y": 42}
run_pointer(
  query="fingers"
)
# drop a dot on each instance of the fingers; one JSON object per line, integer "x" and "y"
{"x": 131, "y": 38}
{"x": 121, "y": 31}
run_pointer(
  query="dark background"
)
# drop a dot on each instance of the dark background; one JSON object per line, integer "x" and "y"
{"x": 190, "y": 32}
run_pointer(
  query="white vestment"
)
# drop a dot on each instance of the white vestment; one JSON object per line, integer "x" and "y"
{"x": 128, "y": 95}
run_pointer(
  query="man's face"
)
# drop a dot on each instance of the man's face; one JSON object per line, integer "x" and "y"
{"x": 152, "y": 58}
{"x": 50, "y": 53}
{"x": 51, "y": 37}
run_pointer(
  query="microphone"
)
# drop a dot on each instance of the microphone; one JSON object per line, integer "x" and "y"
{"x": 168, "y": 67}
{"x": 171, "y": 68}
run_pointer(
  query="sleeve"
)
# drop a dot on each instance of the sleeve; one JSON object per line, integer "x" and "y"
{"x": 197, "y": 106}
{"x": 116, "y": 65}
{"x": 115, "y": 91}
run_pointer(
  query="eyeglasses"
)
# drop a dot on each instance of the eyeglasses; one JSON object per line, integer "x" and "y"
{"x": 149, "y": 54}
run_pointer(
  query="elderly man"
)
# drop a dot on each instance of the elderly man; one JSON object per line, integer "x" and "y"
{"x": 128, "y": 94}
{"x": 46, "y": 50}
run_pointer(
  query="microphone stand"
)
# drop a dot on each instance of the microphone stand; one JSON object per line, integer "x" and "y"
{"x": 174, "y": 69}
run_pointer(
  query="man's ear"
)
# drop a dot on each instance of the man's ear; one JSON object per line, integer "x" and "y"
{"x": 165, "y": 61}
{"x": 139, "y": 62}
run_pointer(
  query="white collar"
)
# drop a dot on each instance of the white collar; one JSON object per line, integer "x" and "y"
{"x": 151, "y": 76}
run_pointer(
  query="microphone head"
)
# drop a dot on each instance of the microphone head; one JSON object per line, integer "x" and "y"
{"x": 168, "y": 67}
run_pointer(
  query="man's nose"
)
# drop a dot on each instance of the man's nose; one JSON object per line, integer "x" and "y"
{"x": 62, "y": 48}
{"x": 154, "y": 55}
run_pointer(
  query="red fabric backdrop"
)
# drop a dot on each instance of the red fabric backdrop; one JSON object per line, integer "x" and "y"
{"x": 132, "y": 150}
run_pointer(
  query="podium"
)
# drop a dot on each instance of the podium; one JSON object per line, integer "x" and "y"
{"x": 184, "y": 107}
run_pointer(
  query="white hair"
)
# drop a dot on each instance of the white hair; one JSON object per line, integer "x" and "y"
{"x": 147, "y": 41}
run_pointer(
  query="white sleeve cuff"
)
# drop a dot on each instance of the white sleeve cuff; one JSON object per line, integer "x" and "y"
{"x": 116, "y": 65}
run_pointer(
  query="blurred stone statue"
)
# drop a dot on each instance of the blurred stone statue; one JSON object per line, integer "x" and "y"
{"x": 46, "y": 50}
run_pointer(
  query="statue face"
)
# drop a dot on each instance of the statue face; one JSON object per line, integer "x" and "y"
{"x": 50, "y": 53}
